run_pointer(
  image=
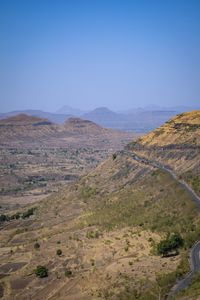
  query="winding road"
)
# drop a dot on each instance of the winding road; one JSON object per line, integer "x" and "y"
{"x": 195, "y": 250}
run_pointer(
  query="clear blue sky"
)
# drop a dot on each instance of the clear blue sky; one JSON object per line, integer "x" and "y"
{"x": 119, "y": 54}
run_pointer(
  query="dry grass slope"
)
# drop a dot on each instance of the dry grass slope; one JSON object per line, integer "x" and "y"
{"x": 176, "y": 144}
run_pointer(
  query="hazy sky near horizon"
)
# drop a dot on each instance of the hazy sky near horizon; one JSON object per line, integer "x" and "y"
{"x": 119, "y": 54}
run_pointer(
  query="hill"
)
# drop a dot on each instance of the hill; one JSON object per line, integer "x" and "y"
{"x": 30, "y": 130}
{"x": 37, "y": 155}
{"x": 104, "y": 117}
{"x": 176, "y": 144}
{"x": 181, "y": 129}
{"x": 139, "y": 120}
{"x": 58, "y": 118}
{"x": 23, "y": 119}
{"x": 107, "y": 225}
{"x": 79, "y": 126}
{"x": 22, "y": 127}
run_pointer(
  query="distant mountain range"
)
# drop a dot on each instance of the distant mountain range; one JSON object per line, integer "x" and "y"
{"x": 53, "y": 117}
{"x": 31, "y": 129}
{"x": 68, "y": 110}
{"x": 140, "y": 120}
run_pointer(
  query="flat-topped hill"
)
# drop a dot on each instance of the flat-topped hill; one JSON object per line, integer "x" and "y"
{"x": 23, "y": 127}
{"x": 175, "y": 144}
{"x": 80, "y": 126}
{"x": 182, "y": 129}
{"x": 23, "y": 119}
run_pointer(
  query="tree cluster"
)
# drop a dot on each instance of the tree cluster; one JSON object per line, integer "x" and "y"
{"x": 18, "y": 215}
{"x": 170, "y": 244}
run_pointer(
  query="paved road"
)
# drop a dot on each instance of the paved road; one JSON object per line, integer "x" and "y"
{"x": 195, "y": 251}
{"x": 194, "y": 267}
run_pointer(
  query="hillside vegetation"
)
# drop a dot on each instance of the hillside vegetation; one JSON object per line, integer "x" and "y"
{"x": 183, "y": 129}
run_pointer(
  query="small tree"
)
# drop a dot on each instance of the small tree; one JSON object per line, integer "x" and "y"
{"x": 59, "y": 252}
{"x": 170, "y": 244}
{"x": 36, "y": 245}
{"x": 176, "y": 241}
{"x": 41, "y": 271}
{"x": 4, "y": 218}
{"x": 114, "y": 156}
{"x": 68, "y": 273}
{"x": 28, "y": 213}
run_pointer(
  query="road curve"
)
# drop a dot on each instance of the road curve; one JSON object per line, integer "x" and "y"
{"x": 195, "y": 250}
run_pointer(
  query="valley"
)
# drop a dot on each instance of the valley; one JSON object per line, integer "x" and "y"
{"x": 97, "y": 237}
{"x": 37, "y": 156}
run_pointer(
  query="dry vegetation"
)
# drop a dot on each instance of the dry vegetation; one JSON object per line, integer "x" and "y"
{"x": 175, "y": 144}
{"x": 36, "y": 156}
{"x": 107, "y": 225}
{"x": 107, "y": 229}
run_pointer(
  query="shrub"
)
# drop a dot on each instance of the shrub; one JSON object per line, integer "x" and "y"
{"x": 68, "y": 273}
{"x": 171, "y": 243}
{"x": 88, "y": 192}
{"x": 28, "y": 213}
{"x": 4, "y": 218}
{"x": 16, "y": 216}
{"x": 59, "y": 252}
{"x": 126, "y": 248}
{"x": 41, "y": 271}
{"x": 114, "y": 156}
{"x": 92, "y": 234}
{"x": 36, "y": 245}
{"x": 92, "y": 262}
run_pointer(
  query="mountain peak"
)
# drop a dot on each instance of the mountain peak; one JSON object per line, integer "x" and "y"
{"x": 66, "y": 109}
{"x": 102, "y": 109}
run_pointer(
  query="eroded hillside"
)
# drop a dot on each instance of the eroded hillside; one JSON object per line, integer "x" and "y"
{"x": 176, "y": 144}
